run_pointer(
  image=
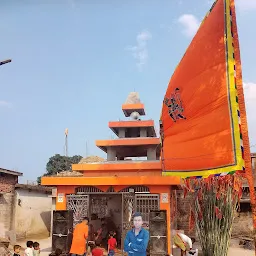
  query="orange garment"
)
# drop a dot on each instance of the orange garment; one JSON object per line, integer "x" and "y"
{"x": 80, "y": 235}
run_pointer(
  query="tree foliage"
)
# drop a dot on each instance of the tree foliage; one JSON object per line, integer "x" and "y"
{"x": 59, "y": 163}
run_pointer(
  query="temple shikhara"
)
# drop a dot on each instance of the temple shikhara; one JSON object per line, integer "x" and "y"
{"x": 129, "y": 180}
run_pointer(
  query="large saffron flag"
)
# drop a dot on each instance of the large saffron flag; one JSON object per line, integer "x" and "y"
{"x": 203, "y": 120}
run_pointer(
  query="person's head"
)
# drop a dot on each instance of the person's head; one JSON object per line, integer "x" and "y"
{"x": 29, "y": 244}
{"x": 36, "y": 245}
{"x": 111, "y": 234}
{"x": 137, "y": 220}
{"x": 16, "y": 248}
{"x": 86, "y": 220}
{"x": 94, "y": 216}
{"x": 97, "y": 243}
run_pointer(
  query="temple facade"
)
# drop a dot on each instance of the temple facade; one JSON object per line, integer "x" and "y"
{"x": 129, "y": 180}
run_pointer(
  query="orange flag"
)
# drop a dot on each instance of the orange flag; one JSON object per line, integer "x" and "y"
{"x": 203, "y": 119}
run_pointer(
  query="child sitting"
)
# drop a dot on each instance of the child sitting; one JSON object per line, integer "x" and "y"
{"x": 16, "y": 249}
{"x": 111, "y": 244}
{"x": 36, "y": 249}
{"x": 97, "y": 251}
{"x": 29, "y": 249}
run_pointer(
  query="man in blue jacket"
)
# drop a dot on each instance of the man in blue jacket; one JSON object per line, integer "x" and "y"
{"x": 136, "y": 241}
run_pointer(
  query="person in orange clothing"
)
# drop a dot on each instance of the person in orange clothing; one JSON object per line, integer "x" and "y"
{"x": 80, "y": 235}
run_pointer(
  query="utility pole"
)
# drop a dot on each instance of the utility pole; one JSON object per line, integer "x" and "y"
{"x": 86, "y": 149}
{"x": 66, "y": 142}
{"x": 5, "y": 62}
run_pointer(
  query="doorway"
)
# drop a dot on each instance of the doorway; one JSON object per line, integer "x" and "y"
{"x": 105, "y": 212}
{"x": 112, "y": 208}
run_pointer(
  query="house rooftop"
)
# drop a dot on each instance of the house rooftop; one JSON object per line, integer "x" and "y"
{"x": 34, "y": 188}
{"x": 10, "y": 172}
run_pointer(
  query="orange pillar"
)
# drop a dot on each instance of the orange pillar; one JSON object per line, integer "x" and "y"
{"x": 62, "y": 192}
{"x": 165, "y": 203}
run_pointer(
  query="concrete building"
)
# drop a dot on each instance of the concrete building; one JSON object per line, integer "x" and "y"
{"x": 116, "y": 188}
{"x": 25, "y": 209}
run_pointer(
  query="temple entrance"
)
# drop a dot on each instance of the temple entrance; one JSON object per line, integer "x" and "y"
{"x": 112, "y": 210}
{"x": 105, "y": 213}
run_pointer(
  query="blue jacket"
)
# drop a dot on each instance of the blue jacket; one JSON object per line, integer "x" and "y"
{"x": 136, "y": 245}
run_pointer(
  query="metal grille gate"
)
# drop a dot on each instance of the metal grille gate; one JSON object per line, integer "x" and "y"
{"x": 131, "y": 203}
{"x": 128, "y": 206}
{"x": 142, "y": 203}
{"x": 80, "y": 205}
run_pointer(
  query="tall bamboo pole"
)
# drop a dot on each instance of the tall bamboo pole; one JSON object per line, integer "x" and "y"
{"x": 244, "y": 127}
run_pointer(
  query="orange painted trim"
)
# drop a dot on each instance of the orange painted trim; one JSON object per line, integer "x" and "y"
{"x": 96, "y": 181}
{"x": 128, "y": 124}
{"x": 132, "y": 106}
{"x": 116, "y": 166}
{"x": 128, "y": 142}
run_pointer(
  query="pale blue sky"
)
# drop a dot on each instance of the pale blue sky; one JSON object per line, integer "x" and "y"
{"x": 74, "y": 63}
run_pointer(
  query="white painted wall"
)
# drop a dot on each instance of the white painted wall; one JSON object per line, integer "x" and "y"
{"x": 33, "y": 215}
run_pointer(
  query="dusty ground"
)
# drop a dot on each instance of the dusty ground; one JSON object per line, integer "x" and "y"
{"x": 240, "y": 252}
{"x": 234, "y": 250}
{"x": 242, "y": 225}
{"x": 45, "y": 245}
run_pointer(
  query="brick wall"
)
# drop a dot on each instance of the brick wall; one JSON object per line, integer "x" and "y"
{"x": 183, "y": 212}
{"x": 7, "y": 182}
{"x": 7, "y": 189}
{"x": 242, "y": 225}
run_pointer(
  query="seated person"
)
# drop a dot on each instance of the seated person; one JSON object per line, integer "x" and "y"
{"x": 183, "y": 242}
{"x": 97, "y": 251}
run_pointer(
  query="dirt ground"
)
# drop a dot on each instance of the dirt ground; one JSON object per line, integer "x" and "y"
{"x": 242, "y": 225}
{"x": 45, "y": 245}
{"x": 240, "y": 252}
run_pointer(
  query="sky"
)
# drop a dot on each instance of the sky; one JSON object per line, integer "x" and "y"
{"x": 74, "y": 63}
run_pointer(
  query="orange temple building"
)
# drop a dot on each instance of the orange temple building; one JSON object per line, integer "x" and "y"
{"x": 121, "y": 185}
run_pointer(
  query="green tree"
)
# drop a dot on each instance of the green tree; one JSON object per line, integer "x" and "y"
{"x": 59, "y": 163}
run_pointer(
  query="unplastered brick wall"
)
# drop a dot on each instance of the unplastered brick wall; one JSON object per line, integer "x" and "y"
{"x": 183, "y": 213}
{"x": 7, "y": 182}
{"x": 7, "y": 190}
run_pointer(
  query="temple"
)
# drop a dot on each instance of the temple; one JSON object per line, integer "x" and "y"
{"x": 129, "y": 181}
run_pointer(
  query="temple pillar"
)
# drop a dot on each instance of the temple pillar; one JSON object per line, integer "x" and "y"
{"x": 143, "y": 132}
{"x": 111, "y": 154}
{"x": 151, "y": 154}
{"x": 121, "y": 133}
